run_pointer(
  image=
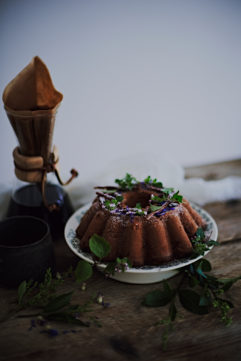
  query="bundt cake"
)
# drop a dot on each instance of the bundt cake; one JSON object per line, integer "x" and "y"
{"x": 144, "y": 221}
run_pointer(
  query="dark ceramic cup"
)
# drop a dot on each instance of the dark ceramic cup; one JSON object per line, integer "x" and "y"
{"x": 26, "y": 250}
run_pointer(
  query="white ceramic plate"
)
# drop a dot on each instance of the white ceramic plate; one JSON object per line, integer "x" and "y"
{"x": 137, "y": 275}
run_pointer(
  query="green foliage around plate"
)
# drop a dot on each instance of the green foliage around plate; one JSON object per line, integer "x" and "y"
{"x": 99, "y": 246}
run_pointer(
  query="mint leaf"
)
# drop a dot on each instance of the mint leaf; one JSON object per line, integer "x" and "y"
{"x": 153, "y": 182}
{"x": 204, "y": 301}
{"x": 190, "y": 300}
{"x": 167, "y": 190}
{"x": 108, "y": 191}
{"x": 226, "y": 283}
{"x": 177, "y": 197}
{"x": 58, "y": 302}
{"x": 156, "y": 183}
{"x": 148, "y": 179}
{"x": 128, "y": 182}
{"x": 99, "y": 246}
{"x": 67, "y": 317}
{"x": 172, "y": 311}
{"x": 158, "y": 199}
{"x": 83, "y": 271}
{"x": 205, "y": 265}
{"x": 22, "y": 288}
{"x": 159, "y": 298}
{"x": 154, "y": 208}
{"x": 200, "y": 233}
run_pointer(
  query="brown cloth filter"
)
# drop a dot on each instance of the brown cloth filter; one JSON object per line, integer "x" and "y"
{"x": 31, "y": 102}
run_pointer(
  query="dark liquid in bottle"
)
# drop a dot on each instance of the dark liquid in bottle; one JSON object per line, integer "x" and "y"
{"x": 28, "y": 201}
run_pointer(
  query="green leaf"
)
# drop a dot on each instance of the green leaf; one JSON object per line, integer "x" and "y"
{"x": 167, "y": 190}
{"x": 99, "y": 246}
{"x": 172, "y": 311}
{"x": 147, "y": 179}
{"x": 157, "y": 298}
{"x": 228, "y": 282}
{"x": 22, "y": 288}
{"x": 156, "y": 183}
{"x": 227, "y": 302}
{"x": 200, "y": 233}
{"x": 193, "y": 281}
{"x": 83, "y": 271}
{"x": 157, "y": 199}
{"x": 128, "y": 182}
{"x": 177, "y": 197}
{"x": 205, "y": 265}
{"x": 154, "y": 208}
{"x": 211, "y": 242}
{"x": 204, "y": 301}
{"x": 67, "y": 318}
{"x": 190, "y": 301}
{"x": 110, "y": 268}
{"x": 58, "y": 302}
{"x": 108, "y": 191}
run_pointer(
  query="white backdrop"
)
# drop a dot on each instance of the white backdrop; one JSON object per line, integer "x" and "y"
{"x": 137, "y": 76}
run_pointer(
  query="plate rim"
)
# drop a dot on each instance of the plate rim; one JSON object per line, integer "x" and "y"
{"x": 150, "y": 269}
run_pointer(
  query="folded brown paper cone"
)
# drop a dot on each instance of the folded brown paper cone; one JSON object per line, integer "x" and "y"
{"x": 31, "y": 102}
{"x": 32, "y": 89}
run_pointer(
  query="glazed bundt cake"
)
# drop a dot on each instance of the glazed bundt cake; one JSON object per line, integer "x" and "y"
{"x": 144, "y": 221}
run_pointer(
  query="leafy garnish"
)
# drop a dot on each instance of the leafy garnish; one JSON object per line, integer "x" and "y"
{"x": 22, "y": 288}
{"x": 83, "y": 271}
{"x": 119, "y": 265}
{"x": 154, "y": 182}
{"x": 154, "y": 208}
{"x": 99, "y": 246}
{"x": 113, "y": 203}
{"x": 167, "y": 190}
{"x": 201, "y": 244}
{"x": 159, "y": 298}
{"x": 126, "y": 183}
{"x": 198, "y": 292}
{"x": 108, "y": 191}
{"x": 177, "y": 197}
{"x": 157, "y": 199}
{"x": 138, "y": 209}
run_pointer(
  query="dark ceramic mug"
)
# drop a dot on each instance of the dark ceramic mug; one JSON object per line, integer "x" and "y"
{"x": 26, "y": 249}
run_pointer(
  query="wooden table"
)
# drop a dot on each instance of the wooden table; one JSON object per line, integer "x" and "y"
{"x": 128, "y": 329}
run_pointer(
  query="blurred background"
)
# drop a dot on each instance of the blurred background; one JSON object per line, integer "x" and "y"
{"x": 162, "y": 77}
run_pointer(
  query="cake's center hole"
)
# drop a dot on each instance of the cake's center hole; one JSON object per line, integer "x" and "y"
{"x": 132, "y": 198}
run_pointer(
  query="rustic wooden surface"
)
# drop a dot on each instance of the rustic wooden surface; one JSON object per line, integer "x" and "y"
{"x": 128, "y": 329}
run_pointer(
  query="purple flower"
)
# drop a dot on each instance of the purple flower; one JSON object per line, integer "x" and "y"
{"x": 32, "y": 325}
{"x": 52, "y": 332}
{"x": 105, "y": 304}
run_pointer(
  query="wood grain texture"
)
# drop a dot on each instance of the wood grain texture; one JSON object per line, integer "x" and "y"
{"x": 129, "y": 330}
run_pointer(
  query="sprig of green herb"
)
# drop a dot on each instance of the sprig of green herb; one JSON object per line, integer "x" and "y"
{"x": 198, "y": 292}
{"x": 139, "y": 210}
{"x": 47, "y": 303}
{"x": 119, "y": 265}
{"x": 126, "y": 183}
{"x": 201, "y": 244}
{"x": 154, "y": 182}
{"x": 113, "y": 203}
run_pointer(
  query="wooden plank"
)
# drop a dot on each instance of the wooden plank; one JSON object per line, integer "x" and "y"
{"x": 216, "y": 170}
{"x": 228, "y": 218}
{"x": 128, "y": 329}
